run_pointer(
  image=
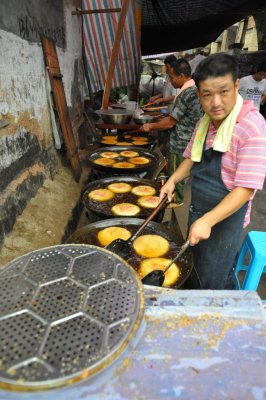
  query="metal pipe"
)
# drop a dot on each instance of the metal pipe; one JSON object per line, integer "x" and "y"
{"x": 107, "y": 10}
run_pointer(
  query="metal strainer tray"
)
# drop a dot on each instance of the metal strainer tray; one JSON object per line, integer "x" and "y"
{"x": 66, "y": 312}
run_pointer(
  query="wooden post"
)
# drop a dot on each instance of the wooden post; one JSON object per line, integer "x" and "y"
{"x": 85, "y": 66}
{"x": 53, "y": 67}
{"x": 118, "y": 36}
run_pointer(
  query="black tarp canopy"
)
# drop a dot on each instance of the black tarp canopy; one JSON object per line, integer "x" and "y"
{"x": 175, "y": 25}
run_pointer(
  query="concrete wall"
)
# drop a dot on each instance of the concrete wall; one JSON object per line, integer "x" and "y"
{"x": 27, "y": 153}
{"x": 260, "y": 21}
{"x": 215, "y": 47}
{"x": 228, "y": 38}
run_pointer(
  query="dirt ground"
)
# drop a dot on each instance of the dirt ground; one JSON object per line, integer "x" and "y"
{"x": 44, "y": 220}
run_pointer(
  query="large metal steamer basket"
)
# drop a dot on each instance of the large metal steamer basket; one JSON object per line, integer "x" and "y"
{"x": 152, "y": 156}
{"x": 102, "y": 210}
{"x": 88, "y": 234}
{"x": 66, "y": 313}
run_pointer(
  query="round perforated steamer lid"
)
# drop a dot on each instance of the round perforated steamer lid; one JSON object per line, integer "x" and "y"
{"x": 66, "y": 313}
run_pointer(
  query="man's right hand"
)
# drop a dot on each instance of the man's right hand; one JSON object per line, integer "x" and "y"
{"x": 153, "y": 98}
{"x": 158, "y": 101}
{"x": 168, "y": 190}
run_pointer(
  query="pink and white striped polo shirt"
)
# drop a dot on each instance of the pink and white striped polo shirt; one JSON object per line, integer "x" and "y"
{"x": 244, "y": 165}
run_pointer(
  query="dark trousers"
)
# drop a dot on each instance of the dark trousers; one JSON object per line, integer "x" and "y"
{"x": 174, "y": 160}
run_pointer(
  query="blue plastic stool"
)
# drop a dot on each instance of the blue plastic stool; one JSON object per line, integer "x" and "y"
{"x": 253, "y": 248}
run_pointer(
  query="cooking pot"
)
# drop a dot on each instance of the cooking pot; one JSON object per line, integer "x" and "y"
{"x": 115, "y": 116}
{"x": 144, "y": 119}
{"x": 88, "y": 235}
{"x": 152, "y": 156}
{"x": 101, "y": 210}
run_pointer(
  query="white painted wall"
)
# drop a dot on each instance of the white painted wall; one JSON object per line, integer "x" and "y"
{"x": 22, "y": 73}
{"x": 73, "y": 51}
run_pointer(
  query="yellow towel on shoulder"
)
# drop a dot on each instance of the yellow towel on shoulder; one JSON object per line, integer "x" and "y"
{"x": 223, "y": 136}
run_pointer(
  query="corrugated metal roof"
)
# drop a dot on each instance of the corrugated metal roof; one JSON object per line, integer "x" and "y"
{"x": 185, "y": 24}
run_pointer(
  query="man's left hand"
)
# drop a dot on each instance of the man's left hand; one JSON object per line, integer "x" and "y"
{"x": 145, "y": 128}
{"x": 199, "y": 230}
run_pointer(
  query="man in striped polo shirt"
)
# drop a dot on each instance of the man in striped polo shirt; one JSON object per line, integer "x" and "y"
{"x": 226, "y": 158}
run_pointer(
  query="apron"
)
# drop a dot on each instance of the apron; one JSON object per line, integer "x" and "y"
{"x": 213, "y": 258}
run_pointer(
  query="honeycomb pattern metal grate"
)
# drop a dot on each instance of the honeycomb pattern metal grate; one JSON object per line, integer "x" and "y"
{"x": 66, "y": 312}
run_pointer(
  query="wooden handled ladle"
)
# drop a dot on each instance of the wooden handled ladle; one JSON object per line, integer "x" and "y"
{"x": 122, "y": 247}
{"x": 156, "y": 277}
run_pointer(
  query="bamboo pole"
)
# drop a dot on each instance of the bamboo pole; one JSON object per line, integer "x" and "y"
{"x": 118, "y": 36}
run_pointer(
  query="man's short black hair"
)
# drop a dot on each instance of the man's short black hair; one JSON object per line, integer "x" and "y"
{"x": 181, "y": 66}
{"x": 170, "y": 60}
{"x": 216, "y": 65}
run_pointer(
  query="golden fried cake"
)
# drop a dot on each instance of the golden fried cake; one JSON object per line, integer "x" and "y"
{"x": 109, "y": 154}
{"x": 129, "y": 153}
{"x": 143, "y": 190}
{"x": 139, "y": 160}
{"x": 140, "y": 138}
{"x": 151, "y": 246}
{"x": 120, "y": 187}
{"x": 149, "y": 201}
{"x": 152, "y": 264}
{"x": 107, "y": 143}
{"x": 125, "y": 209}
{"x": 101, "y": 195}
{"x": 124, "y": 144}
{"x": 106, "y": 162}
{"x": 123, "y": 164}
{"x": 109, "y": 137}
{"x": 139, "y": 143}
{"x": 110, "y": 140}
{"x": 107, "y": 235}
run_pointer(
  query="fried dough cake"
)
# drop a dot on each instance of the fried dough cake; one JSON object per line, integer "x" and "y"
{"x": 125, "y": 209}
{"x": 101, "y": 195}
{"x": 151, "y": 246}
{"x": 129, "y": 153}
{"x": 139, "y": 160}
{"x": 107, "y": 235}
{"x": 148, "y": 201}
{"x": 123, "y": 164}
{"x": 120, "y": 187}
{"x": 143, "y": 190}
{"x": 109, "y": 154}
{"x": 106, "y": 162}
{"x": 153, "y": 264}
